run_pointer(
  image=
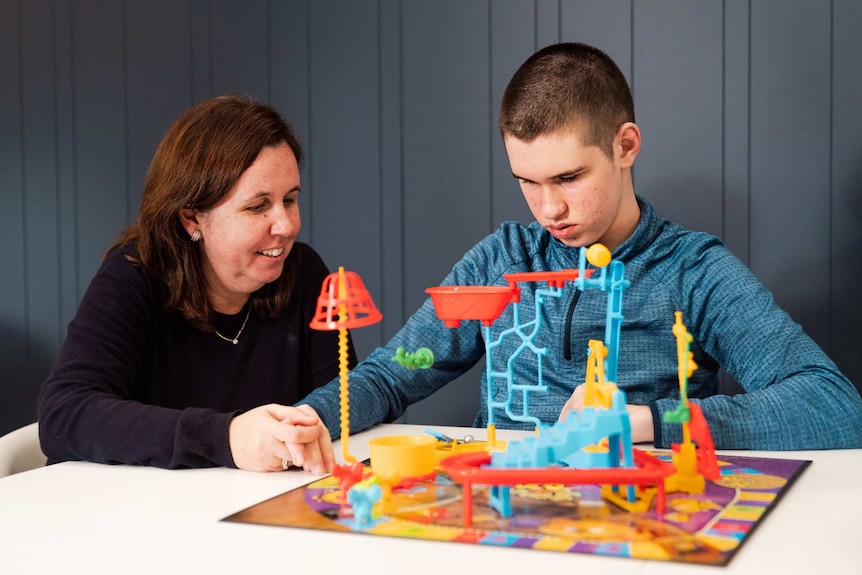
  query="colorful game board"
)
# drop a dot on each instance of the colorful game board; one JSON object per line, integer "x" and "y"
{"x": 704, "y": 507}
{"x": 708, "y": 528}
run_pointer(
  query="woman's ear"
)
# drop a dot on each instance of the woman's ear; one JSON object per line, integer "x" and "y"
{"x": 189, "y": 220}
{"x": 628, "y": 144}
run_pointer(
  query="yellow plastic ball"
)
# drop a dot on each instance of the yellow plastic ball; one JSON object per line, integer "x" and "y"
{"x": 598, "y": 255}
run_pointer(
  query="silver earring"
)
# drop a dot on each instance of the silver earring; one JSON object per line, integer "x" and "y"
{"x": 196, "y": 235}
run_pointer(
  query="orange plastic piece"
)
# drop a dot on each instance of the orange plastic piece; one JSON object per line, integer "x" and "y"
{"x": 344, "y": 303}
{"x": 484, "y": 303}
{"x": 348, "y": 475}
{"x": 555, "y": 279}
{"x": 707, "y": 463}
{"x": 470, "y": 469}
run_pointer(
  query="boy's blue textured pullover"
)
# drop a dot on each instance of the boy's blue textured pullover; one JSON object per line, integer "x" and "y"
{"x": 796, "y": 398}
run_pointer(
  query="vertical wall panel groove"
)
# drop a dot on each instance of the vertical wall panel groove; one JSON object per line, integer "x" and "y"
{"x": 345, "y": 170}
{"x": 846, "y": 182}
{"x": 66, "y": 177}
{"x": 678, "y": 46}
{"x": 390, "y": 172}
{"x": 491, "y": 119}
{"x": 445, "y": 158}
{"x": 830, "y": 206}
{"x": 40, "y": 214}
{"x": 99, "y": 133}
{"x": 290, "y": 85}
{"x": 735, "y": 127}
{"x": 790, "y": 162}
{"x": 508, "y": 50}
{"x": 12, "y": 251}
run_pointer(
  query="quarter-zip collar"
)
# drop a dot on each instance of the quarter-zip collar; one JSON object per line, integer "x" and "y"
{"x": 647, "y": 228}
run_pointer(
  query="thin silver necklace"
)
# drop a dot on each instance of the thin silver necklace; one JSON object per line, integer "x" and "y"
{"x": 235, "y": 340}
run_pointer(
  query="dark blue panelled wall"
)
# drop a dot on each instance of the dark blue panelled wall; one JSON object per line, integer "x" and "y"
{"x": 750, "y": 113}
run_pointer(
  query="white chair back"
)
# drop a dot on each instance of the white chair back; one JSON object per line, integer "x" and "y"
{"x": 20, "y": 450}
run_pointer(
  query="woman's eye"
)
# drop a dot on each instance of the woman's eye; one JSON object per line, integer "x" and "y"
{"x": 256, "y": 207}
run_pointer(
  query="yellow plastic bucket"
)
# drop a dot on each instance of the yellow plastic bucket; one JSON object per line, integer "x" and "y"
{"x": 404, "y": 455}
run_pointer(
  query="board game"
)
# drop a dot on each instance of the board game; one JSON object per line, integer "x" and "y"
{"x": 577, "y": 485}
{"x": 707, "y": 528}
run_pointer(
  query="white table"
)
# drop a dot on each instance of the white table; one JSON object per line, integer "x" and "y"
{"x": 88, "y": 518}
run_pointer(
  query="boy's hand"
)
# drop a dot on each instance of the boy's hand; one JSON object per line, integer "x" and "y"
{"x": 640, "y": 416}
{"x": 575, "y": 402}
{"x": 261, "y": 439}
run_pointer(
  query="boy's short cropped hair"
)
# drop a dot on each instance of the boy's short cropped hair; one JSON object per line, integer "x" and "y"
{"x": 567, "y": 86}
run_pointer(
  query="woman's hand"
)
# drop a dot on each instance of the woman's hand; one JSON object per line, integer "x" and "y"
{"x": 315, "y": 452}
{"x": 264, "y": 437}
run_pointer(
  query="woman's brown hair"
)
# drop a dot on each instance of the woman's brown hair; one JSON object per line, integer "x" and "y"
{"x": 195, "y": 166}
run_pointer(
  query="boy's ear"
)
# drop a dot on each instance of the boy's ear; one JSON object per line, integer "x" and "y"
{"x": 628, "y": 143}
{"x": 189, "y": 220}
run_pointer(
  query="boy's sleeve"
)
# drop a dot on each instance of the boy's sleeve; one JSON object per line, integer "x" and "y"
{"x": 796, "y": 397}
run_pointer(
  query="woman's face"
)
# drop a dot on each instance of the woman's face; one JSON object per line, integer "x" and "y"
{"x": 246, "y": 238}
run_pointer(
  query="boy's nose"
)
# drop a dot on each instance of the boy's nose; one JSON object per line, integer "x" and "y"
{"x": 553, "y": 203}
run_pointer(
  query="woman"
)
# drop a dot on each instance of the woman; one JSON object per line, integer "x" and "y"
{"x": 192, "y": 339}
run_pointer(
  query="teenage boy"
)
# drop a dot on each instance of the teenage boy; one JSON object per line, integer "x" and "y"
{"x": 567, "y": 121}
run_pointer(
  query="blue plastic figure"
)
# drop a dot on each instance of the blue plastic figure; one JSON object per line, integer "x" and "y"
{"x": 362, "y": 497}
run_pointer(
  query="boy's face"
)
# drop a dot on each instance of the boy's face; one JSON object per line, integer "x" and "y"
{"x": 576, "y": 192}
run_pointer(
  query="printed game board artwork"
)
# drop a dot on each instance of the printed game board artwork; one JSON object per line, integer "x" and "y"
{"x": 707, "y": 528}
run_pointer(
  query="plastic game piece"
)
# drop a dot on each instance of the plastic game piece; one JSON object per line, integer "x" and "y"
{"x": 408, "y": 456}
{"x": 592, "y": 445}
{"x": 348, "y": 476}
{"x": 422, "y": 358}
{"x": 344, "y": 304}
{"x": 694, "y": 459}
{"x": 589, "y": 446}
{"x": 598, "y": 392}
{"x": 362, "y": 497}
{"x": 440, "y": 436}
{"x": 456, "y": 303}
{"x": 471, "y": 469}
{"x": 447, "y": 446}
